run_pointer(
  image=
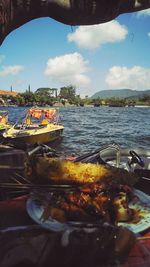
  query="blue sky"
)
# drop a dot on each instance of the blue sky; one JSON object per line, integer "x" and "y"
{"x": 46, "y": 53}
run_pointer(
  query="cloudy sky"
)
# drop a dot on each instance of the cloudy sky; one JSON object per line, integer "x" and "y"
{"x": 46, "y": 53}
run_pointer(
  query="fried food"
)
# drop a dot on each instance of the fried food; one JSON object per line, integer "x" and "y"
{"x": 93, "y": 203}
{"x": 63, "y": 171}
{"x": 124, "y": 213}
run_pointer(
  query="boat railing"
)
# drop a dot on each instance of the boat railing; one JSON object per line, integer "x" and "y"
{"x": 111, "y": 148}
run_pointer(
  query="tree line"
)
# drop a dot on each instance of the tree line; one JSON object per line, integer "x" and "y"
{"x": 67, "y": 94}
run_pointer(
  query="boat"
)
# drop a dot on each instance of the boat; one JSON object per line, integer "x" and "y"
{"x": 39, "y": 125}
{"x": 4, "y": 124}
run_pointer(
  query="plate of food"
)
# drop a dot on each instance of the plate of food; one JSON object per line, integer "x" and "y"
{"x": 36, "y": 209}
{"x": 140, "y": 206}
{"x": 90, "y": 206}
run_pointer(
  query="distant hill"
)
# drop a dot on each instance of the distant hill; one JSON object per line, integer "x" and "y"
{"x": 120, "y": 93}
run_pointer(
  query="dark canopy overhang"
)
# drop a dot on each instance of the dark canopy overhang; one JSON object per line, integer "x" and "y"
{"x": 14, "y": 13}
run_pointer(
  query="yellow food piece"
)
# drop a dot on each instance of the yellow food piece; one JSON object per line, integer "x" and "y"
{"x": 124, "y": 213}
{"x": 65, "y": 172}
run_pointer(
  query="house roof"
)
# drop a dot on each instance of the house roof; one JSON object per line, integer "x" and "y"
{"x": 8, "y": 93}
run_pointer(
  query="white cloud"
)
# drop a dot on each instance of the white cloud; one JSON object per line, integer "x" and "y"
{"x": 11, "y": 70}
{"x": 133, "y": 78}
{"x": 148, "y": 34}
{"x": 143, "y": 13}
{"x": 92, "y": 37}
{"x": 68, "y": 69}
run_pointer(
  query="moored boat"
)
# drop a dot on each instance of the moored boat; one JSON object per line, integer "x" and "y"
{"x": 40, "y": 125}
{"x": 4, "y": 124}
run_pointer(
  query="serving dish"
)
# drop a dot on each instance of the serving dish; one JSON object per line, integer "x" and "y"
{"x": 35, "y": 208}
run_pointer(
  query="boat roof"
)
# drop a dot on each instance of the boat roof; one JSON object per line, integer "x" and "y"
{"x": 40, "y": 112}
{"x": 43, "y": 108}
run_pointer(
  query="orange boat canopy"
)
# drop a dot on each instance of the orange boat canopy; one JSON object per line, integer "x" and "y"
{"x": 49, "y": 114}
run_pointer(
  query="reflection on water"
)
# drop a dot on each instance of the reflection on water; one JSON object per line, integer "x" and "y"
{"x": 88, "y": 128}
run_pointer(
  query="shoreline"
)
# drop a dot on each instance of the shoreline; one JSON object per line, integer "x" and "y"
{"x": 69, "y": 105}
{"x": 141, "y": 106}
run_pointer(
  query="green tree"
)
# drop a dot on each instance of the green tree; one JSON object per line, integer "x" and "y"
{"x": 68, "y": 92}
{"x": 97, "y": 102}
{"x": 45, "y": 96}
{"x": 117, "y": 102}
{"x": 20, "y": 100}
{"x": 145, "y": 98}
{"x": 44, "y": 91}
{"x": 29, "y": 97}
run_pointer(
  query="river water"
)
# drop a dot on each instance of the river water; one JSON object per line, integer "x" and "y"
{"x": 88, "y": 128}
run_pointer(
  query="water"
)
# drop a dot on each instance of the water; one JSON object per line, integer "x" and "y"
{"x": 88, "y": 128}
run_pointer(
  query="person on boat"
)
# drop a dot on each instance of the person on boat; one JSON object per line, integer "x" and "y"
{"x": 14, "y": 13}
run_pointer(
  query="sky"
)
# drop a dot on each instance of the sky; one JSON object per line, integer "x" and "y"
{"x": 47, "y": 53}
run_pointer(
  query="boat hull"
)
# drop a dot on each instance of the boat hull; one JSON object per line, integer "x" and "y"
{"x": 37, "y": 136}
{"x": 41, "y": 138}
{"x": 4, "y": 127}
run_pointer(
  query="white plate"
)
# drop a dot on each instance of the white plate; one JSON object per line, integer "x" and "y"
{"x": 35, "y": 210}
{"x": 143, "y": 206}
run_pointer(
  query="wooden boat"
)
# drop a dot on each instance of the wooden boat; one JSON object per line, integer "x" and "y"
{"x": 4, "y": 124}
{"x": 40, "y": 125}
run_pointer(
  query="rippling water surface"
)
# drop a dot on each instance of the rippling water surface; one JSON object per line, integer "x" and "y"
{"x": 88, "y": 128}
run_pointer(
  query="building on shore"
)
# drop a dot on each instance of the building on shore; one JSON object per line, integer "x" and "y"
{"x": 7, "y": 93}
